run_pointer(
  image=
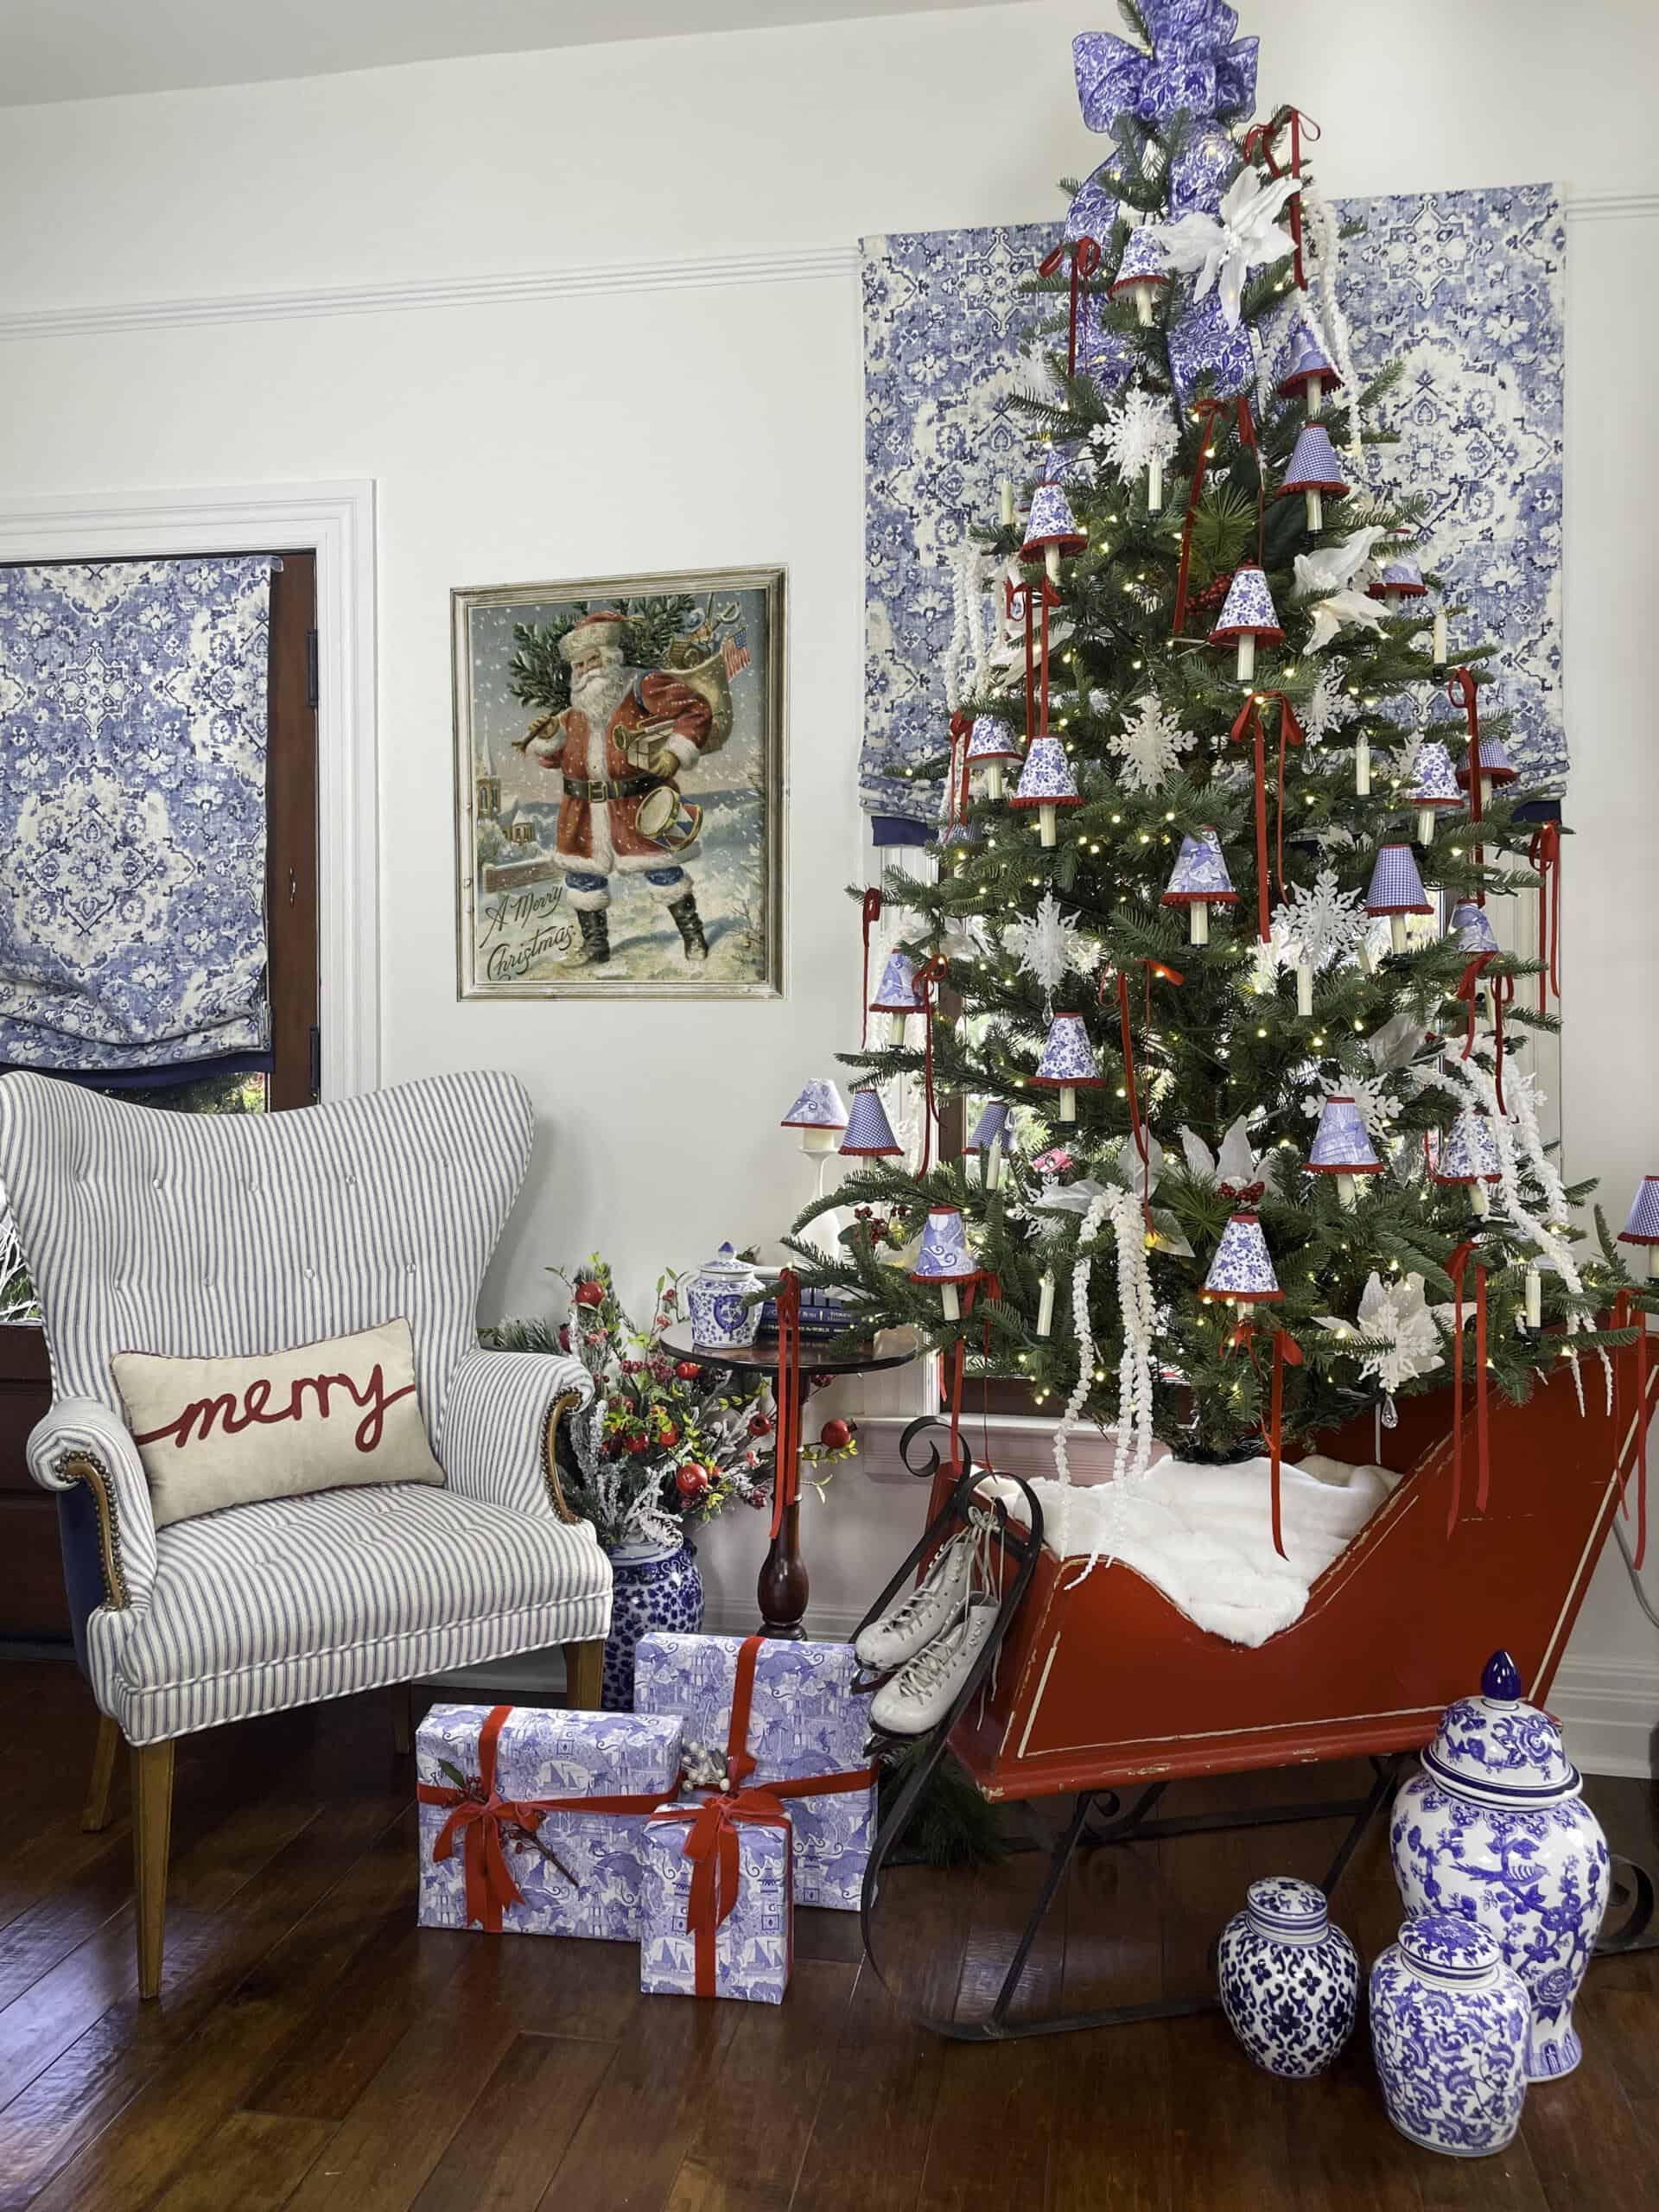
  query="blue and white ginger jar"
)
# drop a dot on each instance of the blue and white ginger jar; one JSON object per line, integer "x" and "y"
{"x": 1449, "y": 2024}
{"x": 656, "y": 1590}
{"x": 1289, "y": 1979}
{"x": 1495, "y": 1828}
{"x": 720, "y": 1321}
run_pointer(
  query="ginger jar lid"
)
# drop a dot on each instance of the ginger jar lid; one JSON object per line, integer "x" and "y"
{"x": 726, "y": 1263}
{"x": 1284, "y": 1906}
{"x": 1497, "y": 1749}
{"x": 1448, "y": 1947}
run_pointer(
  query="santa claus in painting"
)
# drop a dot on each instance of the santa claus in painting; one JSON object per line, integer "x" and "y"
{"x": 621, "y": 743}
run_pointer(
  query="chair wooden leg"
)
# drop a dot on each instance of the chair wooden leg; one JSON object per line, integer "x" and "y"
{"x": 95, "y": 1814}
{"x": 584, "y": 1669}
{"x": 152, "y": 1821}
{"x": 402, "y": 1717}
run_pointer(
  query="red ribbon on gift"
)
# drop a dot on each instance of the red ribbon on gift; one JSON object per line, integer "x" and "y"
{"x": 1461, "y": 691}
{"x": 1248, "y": 723}
{"x": 872, "y": 914}
{"x": 1207, "y": 410}
{"x": 1258, "y": 146}
{"x": 1085, "y": 260}
{"x": 713, "y": 1844}
{"x": 1286, "y": 1352}
{"x": 1628, "y": 1315}
{"x": 480, "y": 1820}
{"x": 1456, "y": 1268}
{"x": 1544, "y": 858}
{"x": 1501, "y": 987}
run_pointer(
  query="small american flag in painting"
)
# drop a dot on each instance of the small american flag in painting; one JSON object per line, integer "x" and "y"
{"x": 735, "y": 654}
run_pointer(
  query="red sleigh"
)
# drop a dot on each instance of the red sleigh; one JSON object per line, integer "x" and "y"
{"x": 1100, "y": 1680}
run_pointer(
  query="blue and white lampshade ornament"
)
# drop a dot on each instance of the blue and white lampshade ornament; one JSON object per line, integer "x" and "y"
{"x": 1198, "y": 881}
{"x": 819, "y": 1113}
{"x": 1396, "y": 890}
{"x": 1399, "y": 583}
{"x": 1469, "y": 1156}
{"x": 945, "y": 1259}
{"x": 1435, "y": 790}
{"x": 1342, "y": 1147}
{"x": 1473, "y": 929}
{"x": 1643, "y": 1226}
{"x": 1052, "y": 529}
{"x": 1047, "y": 783}
{"x": 1314, "y": 471}
{"x": 990, "y": 1141}
{"x": 1495, "y": 768}
{"x": 869, "y": 1134}
{"x": 1142, "y": 273}
{"x": 1242, "y": 1270}
{"x": 990, "y": 742}
{"x": 1449, "y": 2023}
{"x": 1308, "y": 374}
{"x": 1248, "y": 614}
{"x": 1068, "y": 1063}
{"x": 896, "y": 995}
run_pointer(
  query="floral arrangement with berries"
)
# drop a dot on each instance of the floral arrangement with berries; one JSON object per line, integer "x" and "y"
{"x": 665, "y": 1441}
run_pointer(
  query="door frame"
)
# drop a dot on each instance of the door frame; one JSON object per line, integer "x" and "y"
{"x": 336, "y": 521}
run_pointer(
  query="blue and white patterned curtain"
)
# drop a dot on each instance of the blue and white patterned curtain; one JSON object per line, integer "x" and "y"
{"x": 133, "y": 813}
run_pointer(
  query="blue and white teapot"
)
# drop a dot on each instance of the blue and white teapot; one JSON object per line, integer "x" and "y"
{"x": 721, "y": 1320}
{"x": 1494, "y": 1829}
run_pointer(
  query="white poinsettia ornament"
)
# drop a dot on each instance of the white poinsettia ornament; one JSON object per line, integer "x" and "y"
{"x": 1221, "y": 248}
{"x": 1335, "y": 579}
{"x": 1394, "y": 1321}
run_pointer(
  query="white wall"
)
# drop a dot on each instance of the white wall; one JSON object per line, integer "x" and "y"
{"x": 663, "y": 424}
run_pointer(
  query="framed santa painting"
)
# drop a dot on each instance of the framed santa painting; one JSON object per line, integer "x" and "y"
{"x": 619, "y": 786}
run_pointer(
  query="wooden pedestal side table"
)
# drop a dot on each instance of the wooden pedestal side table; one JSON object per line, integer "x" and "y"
{"x": 781, "y": 1587}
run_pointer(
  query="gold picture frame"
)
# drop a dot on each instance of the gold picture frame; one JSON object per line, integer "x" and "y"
{"x": 621, "y": 795}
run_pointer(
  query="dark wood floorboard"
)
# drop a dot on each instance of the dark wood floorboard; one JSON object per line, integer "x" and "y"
{"x": 313, "y": 2050}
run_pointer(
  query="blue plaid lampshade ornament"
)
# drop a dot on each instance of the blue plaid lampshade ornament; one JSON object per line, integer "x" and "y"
{"x": 1495, "y": 768}
{"x": 895, "y": 995}
{"x": 1243, "y": 1268}
{"x": 1469, "y": 924}
{"x": 1142, "y": 273}
{"x": 1342, "y": 1147}
{"x": 869, "y": 1134}
{"x": 991, "y": 1139}
{"x": 990, "y": 742}
{"x": 1052, "y": 529}
{"x": 1046, "y": 782}
{"x": 1435, "y": 789}
{"x": 1248, "y": 614}
{"x": 1068, "y": 1063}
{"x": 945, "y": 1259}
{"x": 819, "y": 1113}
{"x": 1469, "y": 1156}
{"x": 1314, "y": 471}
{"x": 1396, "y": 890}
{"x": 1307, "y": 374}
{"x": 1198, "y": 881}
{"x": 1643, "y": 1227}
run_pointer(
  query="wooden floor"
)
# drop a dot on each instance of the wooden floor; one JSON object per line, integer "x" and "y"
{"x": 311, "y": 2048}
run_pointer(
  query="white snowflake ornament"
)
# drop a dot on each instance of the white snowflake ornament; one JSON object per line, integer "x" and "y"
{"x": 1150, "y": 747}
{"x": 1049, "y": 944}
{"x": 1325, "y": 922}
{"x": 1396, "y": 1319}
{"x": 1328, "y": 707}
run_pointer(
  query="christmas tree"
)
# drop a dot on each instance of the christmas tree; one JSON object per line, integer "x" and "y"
{"x": 1260, "y": 1142}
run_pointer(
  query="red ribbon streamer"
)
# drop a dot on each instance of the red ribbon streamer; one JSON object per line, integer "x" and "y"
{"x": 1455, "y": 1268}
{"x": 1030, "y": 599}
{"x": 1248, "y": 723}
{"x": 1544, "y": 858}
{"x": 1258, "y": 143}
{"x": 1626, "y": 1314}
{"x": 951, "y": 1364}
{"x": 958, "y": 790}
{"x": 1286, "y": 1352}
{"x": 479, "y": 1820}
{"x": 1140, "y": 1134}
{"x": 1502, "y": 990}
{"x": 930, "y": 973}
{"x": 871, "y": 916}
{"x": 786, "y": 1463}
{"x": 1461, "y": 691}
{"x": 1207, "y": 410}
{"x": 1085, "y": 260}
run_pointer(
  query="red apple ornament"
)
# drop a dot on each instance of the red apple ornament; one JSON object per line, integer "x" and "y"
{"x": 590, "y": 1293}
{"x": 836, "y": 1436}
{"x": 693, "y": 1481}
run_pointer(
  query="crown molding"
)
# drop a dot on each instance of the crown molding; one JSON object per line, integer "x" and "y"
{"x": 770, "y": 265}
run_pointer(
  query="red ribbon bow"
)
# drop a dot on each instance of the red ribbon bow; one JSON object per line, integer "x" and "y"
{"x": 480, "y": 1820}
{"x": 1248, "y": 723}
{"x": 1461, "y": 690}
{"x": 1544, "y": 858}
{"x": 1286, "y": 1352}
{"x": 1501, "y": 987}
{"x": 1455, "y": 1267}
{"x": 1626, "y": 1314}
{"x": 1207, "y": 410}
{"x": 1258, "y": 146}
{"x": 872, "y": 914}
{"x": 1085, "y": 260}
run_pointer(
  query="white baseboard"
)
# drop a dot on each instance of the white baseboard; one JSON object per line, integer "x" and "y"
{"x": 1610, "y": 1716}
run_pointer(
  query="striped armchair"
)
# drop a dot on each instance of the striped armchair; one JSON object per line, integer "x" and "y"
{"x": 215, "y": 1235}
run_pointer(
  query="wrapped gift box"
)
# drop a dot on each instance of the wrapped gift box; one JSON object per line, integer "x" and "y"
{"x": 749, "y": 1952}
{"x": 804, "y": 1720}
{"x": 576, "y": 1871}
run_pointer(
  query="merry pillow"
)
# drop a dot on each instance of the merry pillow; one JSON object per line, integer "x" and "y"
{"x": 213, "y": 1433}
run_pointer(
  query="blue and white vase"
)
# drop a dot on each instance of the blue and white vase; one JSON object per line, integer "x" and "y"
{"x": 1495, "y": 1828}
{"x": 722, "y": 1320}
{"x": 1449, "y": 2034}
{"x": 656, "y": 1589}
{"x": 1289, "y": 1979}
